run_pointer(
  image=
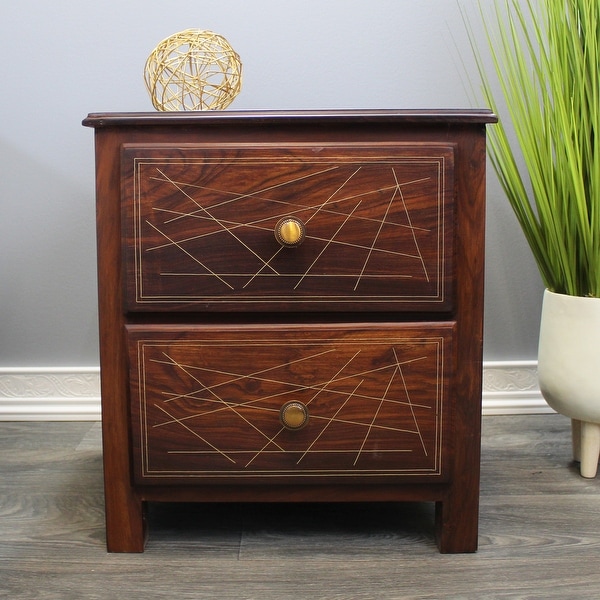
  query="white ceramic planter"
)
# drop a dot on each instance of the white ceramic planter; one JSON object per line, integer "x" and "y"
{"x": 569, "y": 369}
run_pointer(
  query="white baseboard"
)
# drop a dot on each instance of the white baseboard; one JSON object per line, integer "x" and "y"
{"x": 73, "y": 394}
{"x": 511, "y": 388}
{"x": 50, "y": 394}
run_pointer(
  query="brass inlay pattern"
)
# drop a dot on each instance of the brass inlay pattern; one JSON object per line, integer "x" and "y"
{"x": 363, "y": 217}
{"x": 369, "y": 401}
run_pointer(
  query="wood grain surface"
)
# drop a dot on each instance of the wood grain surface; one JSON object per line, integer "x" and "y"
{"x": 199, "y": 226}
{"x": 539, "y": 531}
{"x": 206, "y": 403}
{"x": 415, "y": 248}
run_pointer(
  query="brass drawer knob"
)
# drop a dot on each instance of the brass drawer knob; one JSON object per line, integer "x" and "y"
{"x": 290, "y": 232}
{"x": 293, "y": 415}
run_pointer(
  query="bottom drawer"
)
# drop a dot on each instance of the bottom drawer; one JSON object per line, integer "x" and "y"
{"x": 290, "y": 403}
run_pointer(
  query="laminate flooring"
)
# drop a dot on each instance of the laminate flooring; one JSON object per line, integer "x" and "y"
{"x": 539, "y": 531}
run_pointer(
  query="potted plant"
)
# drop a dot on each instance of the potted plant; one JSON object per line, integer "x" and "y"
{"x": 547, "y": 59}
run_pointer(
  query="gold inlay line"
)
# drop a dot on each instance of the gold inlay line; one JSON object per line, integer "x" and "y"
{"x": 326, "y": 246}
{"x": 176, "y": 420}
{"x": 190, "y": 255}
{"x": 237, "y": 195}
{"x": 411, "y": 226}
{"x": 217, "y": 221}
{"x": 410, "y": 403}
{"x": 313, "y": 398}
{"x": 370, "y": 428}
{"x": 381, "y": 224}
{"x": 231, "y": 407}
{"x": 329, "y": 421}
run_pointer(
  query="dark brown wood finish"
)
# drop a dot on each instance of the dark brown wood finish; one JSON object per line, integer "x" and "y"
{"x": 199, "y": 231}
{"x": 206, "y": 403}
{"x": 460, "y": 136}
{"x": 124, "y": 508}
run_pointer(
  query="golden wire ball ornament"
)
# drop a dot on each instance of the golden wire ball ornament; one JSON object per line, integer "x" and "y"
{"x": 193, "y": 70}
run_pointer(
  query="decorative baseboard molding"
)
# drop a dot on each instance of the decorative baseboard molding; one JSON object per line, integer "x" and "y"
{"x": 50, "y": 394}
{"x": 511, "y": 388}
{"x": 73, "y": 394}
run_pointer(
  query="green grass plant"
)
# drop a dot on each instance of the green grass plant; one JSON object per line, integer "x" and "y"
{"x": 546, "y": 55}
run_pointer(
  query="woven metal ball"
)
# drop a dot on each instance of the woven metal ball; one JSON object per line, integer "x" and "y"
{"x": 193, "y": 70}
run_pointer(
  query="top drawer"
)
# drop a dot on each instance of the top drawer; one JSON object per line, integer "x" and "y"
{"x": 199, "y": 225}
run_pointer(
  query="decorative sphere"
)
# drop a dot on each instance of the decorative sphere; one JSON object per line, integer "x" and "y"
{"x": 193, "y": 70}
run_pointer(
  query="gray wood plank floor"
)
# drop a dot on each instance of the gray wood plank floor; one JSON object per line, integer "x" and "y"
{"x": 539, "y": 531}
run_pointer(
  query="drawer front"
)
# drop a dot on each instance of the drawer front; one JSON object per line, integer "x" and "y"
{"x": 199, "y": 227}
{"x": 290, "y": 403}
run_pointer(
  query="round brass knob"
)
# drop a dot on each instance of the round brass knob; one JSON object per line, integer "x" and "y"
{"x": 290, "y": 232}
{"x": 293, "y": 415}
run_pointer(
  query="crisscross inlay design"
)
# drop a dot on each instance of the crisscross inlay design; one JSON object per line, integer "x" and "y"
{"x": 378, "y": 225}
{"x": 208, "y": 404}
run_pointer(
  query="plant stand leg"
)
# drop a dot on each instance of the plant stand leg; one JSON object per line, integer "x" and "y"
{"x": 590, "y": 449}
{"x": 576, "y": 439}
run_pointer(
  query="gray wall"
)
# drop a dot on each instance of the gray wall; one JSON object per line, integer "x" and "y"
{"x": 63, "y": 59}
